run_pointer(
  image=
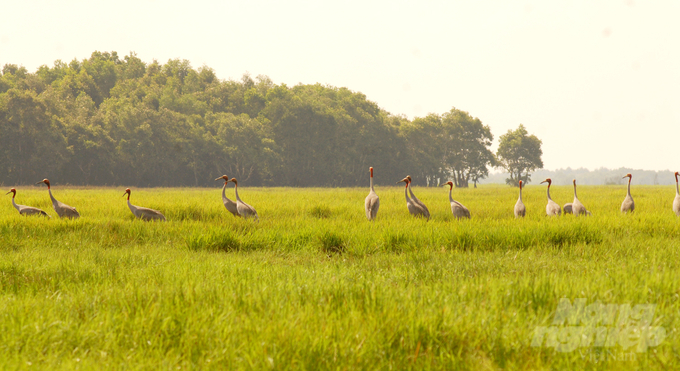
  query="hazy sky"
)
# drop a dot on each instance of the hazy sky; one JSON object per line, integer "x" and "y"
{"x": 597, "y": 81}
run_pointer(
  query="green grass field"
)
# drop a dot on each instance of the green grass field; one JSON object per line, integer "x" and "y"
{"x": 314, "y": 285}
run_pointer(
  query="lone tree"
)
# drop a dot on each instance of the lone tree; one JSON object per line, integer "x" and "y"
{"x": 467, "y": 154}
{"x": 519, "y": 154}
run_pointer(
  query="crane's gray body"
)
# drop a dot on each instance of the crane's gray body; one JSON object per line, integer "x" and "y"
{"x": 145, "y": 213}
{"x": 229, "y": 204}
{"x": 371, "y": 203}
{"x": 552, "y": 208}
{"x": 28, "y": 210}
{"x": 426, "y": 212}
{"x": 243, "y": 208}
{"x": 577, "y": 207}
{"x": 628, "y": 205}
{"x": 62, "y": 209}
{"x": 414, "y": 208}
{"x": 457, "y": 209}
{"x": 520, "y": 210}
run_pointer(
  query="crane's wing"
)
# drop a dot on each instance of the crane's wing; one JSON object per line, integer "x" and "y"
{"x": 68, "y": 211}
{"x": 149, "y": 214}
{"x": 459, "y": 211}
{"x": 231, "y": 206}
{"x": 246, "y": 210}
{"x": 28, "y": 210}
{"x": 415, "y": 209}
{"x": 567, "y": 208}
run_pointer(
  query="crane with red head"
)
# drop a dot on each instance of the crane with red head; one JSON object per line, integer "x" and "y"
{"x": 228, "y": 204}
{"x": 577, "y": 207}
{"x": 62, "y": 209}
{"x": 143, "y": 212}
{"x": 415, "y": 199}
{"x": 243, "y": 208}
{"x": 23, "y": 209}
{"x": 413, "y": 208}
{"x": 520, "y": 210}
{"x": 458, "y": 210}
{"x": 552, "y": 208}
{"x": 372, "y": 202}
{"x": 628, "y": 205}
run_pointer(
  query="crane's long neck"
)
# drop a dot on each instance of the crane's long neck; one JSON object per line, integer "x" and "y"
{"x": 236, "y": 191}
{"x": 450, "y": 198}
{"x": 677, "y": 190}
{"x": 54, "y": 200}
{"x": 132, "y": 207}
{"x": 15, "y": 204}
{"x": 629, "y": 179}
{"x": 575, "y": 192}
{"x": 406, "y": 193}
{"x": 224, "y": 188}
{"x": 520, "y": 193}
{"x": 549, "y": 192}
{"x": 372, "y": 183}
{"x": 411, "y": 192}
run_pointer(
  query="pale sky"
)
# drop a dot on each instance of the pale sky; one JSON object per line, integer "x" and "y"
{"x": 597, "y": 81}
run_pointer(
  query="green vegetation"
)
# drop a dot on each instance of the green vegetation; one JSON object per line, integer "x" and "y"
{"x": 119, "y": 121}
{"x": 519, "y": 153}
{"x": 313, "y": 285}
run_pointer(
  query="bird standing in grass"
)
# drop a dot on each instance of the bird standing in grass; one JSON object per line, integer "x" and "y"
{"x": 372, "y": 202}
{"x": 413, "y": 208}
{"x": 62, "y": 209}
{"x": 458, "y": 210}
{"x": 23, "y": 209}
{"x": 520, "y": 210}
{"x": 228, "y": 204}
{"x": 143, "y": 212}
{"x": 416, "y": 200}
{"x": 676, "y": 202}
{"x": 628, "y": 204}
{"x": 552, "y": 208}
{"x": 577, "y": 207}
{"x": 243, "y": 208}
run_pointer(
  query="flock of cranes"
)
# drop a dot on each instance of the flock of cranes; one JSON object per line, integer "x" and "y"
{"x": 418, "y": 209}
{"x": 238, "y": 208}
{"x": 415, "y": 207}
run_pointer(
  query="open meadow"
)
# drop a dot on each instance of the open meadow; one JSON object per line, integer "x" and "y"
{"x": 314, "y": 285}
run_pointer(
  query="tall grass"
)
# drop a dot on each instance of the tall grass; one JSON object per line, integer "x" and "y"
{"x": 313, "y": 285}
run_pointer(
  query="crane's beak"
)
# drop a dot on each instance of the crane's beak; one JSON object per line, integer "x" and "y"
{"x": 543, "y": 182}
{"x": 219, "y": 178}
{"x": 8, "y": 193}
{"x": 39, "y": 182}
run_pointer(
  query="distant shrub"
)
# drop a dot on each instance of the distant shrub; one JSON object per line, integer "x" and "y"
{"x": 320, "y": 211}
{"x": 331, "y": 243}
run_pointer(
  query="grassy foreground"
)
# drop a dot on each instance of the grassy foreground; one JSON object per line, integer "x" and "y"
{"x": 313, "y": 285}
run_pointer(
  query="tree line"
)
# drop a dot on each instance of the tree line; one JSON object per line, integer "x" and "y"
{"x": 108, "y": 120}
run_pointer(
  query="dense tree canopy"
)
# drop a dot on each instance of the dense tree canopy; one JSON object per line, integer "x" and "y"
{"x": 108, "y": 120}
{"x": 520, "y": 154}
